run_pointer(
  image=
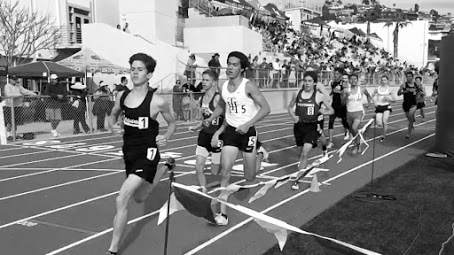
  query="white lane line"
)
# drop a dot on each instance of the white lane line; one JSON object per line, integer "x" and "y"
{"x": 244, "y": 222}
{"x": 53, "y": 170}
{"x": 71, "y": 206}
{"x": 56, "y": 186}
{"x": 24, "y": 154}
{"x": 42, "y": 160}
{"x": 266, "y": 132}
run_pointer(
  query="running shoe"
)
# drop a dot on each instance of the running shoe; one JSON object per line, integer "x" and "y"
{"x": 221, "y": 219}
{"x": 347, "y": 136}
{"x": 330, "y": 145}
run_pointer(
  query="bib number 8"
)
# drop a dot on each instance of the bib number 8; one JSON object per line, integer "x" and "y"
{"x": 310, "y": 110}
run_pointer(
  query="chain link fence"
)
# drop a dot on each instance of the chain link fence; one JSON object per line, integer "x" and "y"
{"x": 43, "y": 117}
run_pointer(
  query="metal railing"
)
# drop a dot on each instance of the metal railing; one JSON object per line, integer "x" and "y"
{"x": 69, "y": 36}
{"x": 291, "y": 78}
{"x": 35, "y": 117}
{"x": 203, "y": 6}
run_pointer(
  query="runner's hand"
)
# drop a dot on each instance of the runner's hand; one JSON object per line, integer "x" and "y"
{"x": 242, "y": 129}
{"x": 296, "y": 119}
{"x": 161, "y": 140}
{"x": 192, "y": 129}
{"x": 215, "y": 141}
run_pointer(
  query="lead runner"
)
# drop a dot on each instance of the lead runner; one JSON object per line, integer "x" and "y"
{"x": 140, "y": 140}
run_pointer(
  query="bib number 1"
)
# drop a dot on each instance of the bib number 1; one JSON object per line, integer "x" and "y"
{"x": 151, "y": 153}
{"x": 143, "y": 122}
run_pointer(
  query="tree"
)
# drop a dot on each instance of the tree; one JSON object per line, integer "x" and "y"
{"x": 339, "y": 2}
{"x": 371, "y": 16}
{"x": 23, "y": 33}
{"x": 365, "y": 2}
{"x": 416, "y": 8}
{"x": 401, "y": 23}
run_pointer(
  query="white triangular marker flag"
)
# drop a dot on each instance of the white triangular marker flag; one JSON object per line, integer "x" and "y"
{"x": 279, "y": 232}
{"x": 175, "y": 206}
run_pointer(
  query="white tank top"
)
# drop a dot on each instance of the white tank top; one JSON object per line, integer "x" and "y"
{"x": 382, "y": 96}
{"x": 240, "y": 107}
{"x": 355, "y": 101}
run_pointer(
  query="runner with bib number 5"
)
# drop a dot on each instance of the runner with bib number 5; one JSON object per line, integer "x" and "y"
{"x": 244, "y": 105}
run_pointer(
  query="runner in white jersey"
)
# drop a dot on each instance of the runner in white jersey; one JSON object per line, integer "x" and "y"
{"x": 244, "y": 105}
{"x": 383, "y": 97}
{"x": 352, "y": 96}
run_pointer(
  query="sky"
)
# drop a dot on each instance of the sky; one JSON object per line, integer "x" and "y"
{"x": 442, "y": 6}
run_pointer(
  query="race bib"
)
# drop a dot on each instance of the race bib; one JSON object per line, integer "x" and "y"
{"x": 252, "y": 141}
{"x": 143, "y": 122}
{"x": 151, "y": 153}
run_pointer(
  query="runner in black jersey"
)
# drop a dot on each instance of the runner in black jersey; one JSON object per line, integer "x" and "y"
{"x": 340, "y": 111}
{"x": 140, "y": 139}
{"x": 409, "y": 90}
{"x": 307, "y": 115}
{"x": 209, "y": 102}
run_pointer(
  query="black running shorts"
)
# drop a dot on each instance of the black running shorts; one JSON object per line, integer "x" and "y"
{"x": 245, "y": 142}
{"x": 306, "y": 133}
{"x": 141, "y": 160}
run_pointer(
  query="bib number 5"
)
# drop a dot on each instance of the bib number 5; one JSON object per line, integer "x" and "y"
{"x": 252, "y": 141}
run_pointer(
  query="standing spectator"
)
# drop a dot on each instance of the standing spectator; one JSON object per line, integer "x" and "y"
{"x": 214, "y": 64}
{"x": 177, "y": 99}
{"x": 101, "y": 107}
{"x": 79, "y": 106}
{"x": 191, "y": 66}
{"x": 57, "y": 92}
{"x": 14, "y": 93}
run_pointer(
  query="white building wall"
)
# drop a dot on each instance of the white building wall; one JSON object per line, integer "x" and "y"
{"x": 296, "y": 18}
{"x": 107, "y": 12}
{"x": 205, "y": 36}
{"x": 150, "y": 19}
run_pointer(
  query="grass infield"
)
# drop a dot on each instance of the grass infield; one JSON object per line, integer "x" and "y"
{"x": 418, "y": 222}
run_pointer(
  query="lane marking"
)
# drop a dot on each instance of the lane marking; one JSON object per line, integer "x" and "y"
{"x": 235, "y": 227}
{"x": 52, "y": 170}
{"x": 244, "y": 222}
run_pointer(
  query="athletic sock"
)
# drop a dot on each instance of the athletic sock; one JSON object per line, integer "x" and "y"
{"x": 324, "y": 148}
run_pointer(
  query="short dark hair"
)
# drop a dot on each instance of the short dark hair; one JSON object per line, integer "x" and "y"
{"x": 385, "y": 76}
{"x": 147, "y": 60}
{"x": 311, "y": 74}
{"x": 211, "y": 73}
{"x": 354, "y": 75}
{"x": 123, "y": 78}
{"x": 244, "y": 62}
{"x": 409, "y": 73}
{"x": 418, "y": 77}
{"x": 339, "y": 69}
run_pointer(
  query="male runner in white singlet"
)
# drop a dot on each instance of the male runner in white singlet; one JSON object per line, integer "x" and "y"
{"x": 244, "y": 105}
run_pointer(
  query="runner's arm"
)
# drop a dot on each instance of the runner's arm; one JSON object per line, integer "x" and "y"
{"x": 218, "y": 111}
{"x": 257, "y": 96}
{"x": 164, "y": 109}
{"x": 290, "y": 108}
{"x": 401, "y": 90}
